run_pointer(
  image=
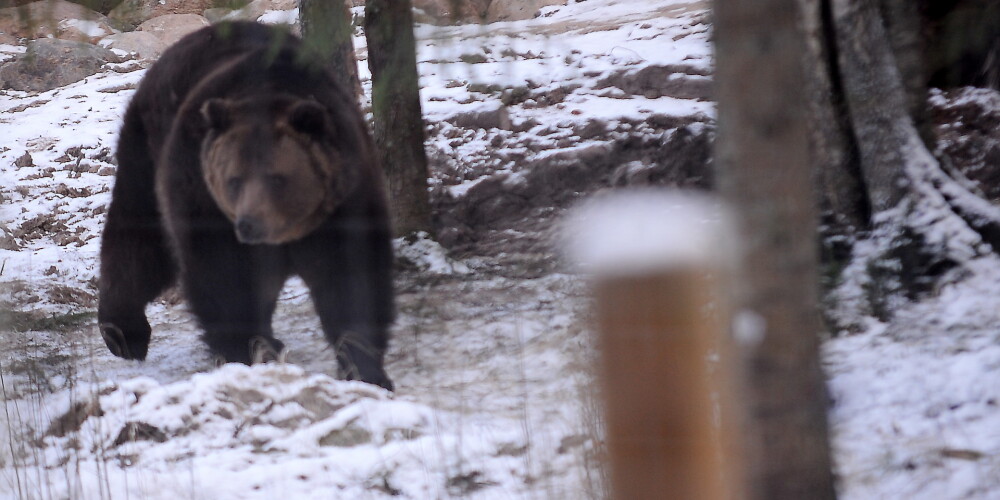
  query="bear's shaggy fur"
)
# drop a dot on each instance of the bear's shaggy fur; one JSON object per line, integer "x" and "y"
{"x": 239, "y": 164}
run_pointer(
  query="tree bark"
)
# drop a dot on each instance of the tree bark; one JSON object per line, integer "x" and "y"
{"x": 924, "y": 224}
{"x": 327, "y": 36}
{"x": 398, "y": 127}
{"x": 876, "y": 98}
{"x": 843, "y": 205}
{"x": 762, "y": 150}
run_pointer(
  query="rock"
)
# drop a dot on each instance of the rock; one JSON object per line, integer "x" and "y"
{"x": 517, "y": 10}
{"x": 494, "y": 199}
{"x": 50, "y": 63}
{"x": 483, "y": 117}
{"x": 591, "y": 129}
{"x": 681, "y": 158}
{"x": 132, "y": 12}
{"x": 216, "y": 14}
{"x": 102, "y": 6}
{"x": 351, "y": 435}
{"x": 139, "y": 431}
{"x": 82, "y": 30}
{"x": 277, "y": 4}
{"x": 672, "y": 80}
{"x": 54, "y": 18}
{"x": 444, "y": 11}
{"x": 136, "y": 12}
{"x": 7, "y": 241}
{"x": 143, "y": 44}
{"x": 24, "y": 160}
{"x": 173, "y": 27}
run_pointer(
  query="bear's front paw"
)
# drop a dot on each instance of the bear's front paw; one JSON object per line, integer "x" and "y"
{"x": 119, "y": 344}
{"x": 365, "y": 369}
{"x": 380, "y": 379}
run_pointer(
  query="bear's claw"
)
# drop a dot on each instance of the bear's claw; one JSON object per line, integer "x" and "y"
{"x": 265, "y": 350}
{"x": 115, "y": 340}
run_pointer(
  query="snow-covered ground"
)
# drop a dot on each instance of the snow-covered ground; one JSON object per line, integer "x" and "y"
{"x": 491, "y": 354}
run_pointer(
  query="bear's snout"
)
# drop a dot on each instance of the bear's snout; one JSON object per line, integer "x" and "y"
{"x": 249, "y": 230}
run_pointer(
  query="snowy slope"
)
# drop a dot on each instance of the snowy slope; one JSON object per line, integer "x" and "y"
{"x": 495, "y": 396}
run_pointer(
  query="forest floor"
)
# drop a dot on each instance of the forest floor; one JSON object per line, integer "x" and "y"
{"x": 492, "y": 352}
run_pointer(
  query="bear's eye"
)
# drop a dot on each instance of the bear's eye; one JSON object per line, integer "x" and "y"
{"x": 277, "y": 182}
{"x": 233, "y": 186}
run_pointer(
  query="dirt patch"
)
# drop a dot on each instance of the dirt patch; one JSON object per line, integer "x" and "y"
{"x": 512, "y": 215}
{"x": 967, "y": 124}
{"x": 24, "y": 321}
{"x": 139, "y": 431}
{"x": 73, "y": 419}
{"x": 22, "y": 107}
{"x": 675, "y": 80}
{"x": 74, "y": 296}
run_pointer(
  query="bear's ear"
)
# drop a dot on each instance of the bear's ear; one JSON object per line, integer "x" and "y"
{"x": 217, "y": 114}
{"x": 308, "y": 117}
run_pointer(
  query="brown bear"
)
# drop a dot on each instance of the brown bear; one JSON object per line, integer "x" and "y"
{"x": 239, "y": 165}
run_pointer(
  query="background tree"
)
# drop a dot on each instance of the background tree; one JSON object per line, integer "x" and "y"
{"x": 765, "y": 173}
{"x": 898, "y": 220}
{"x": 327, "y": 33}
{"x": 398, "y": 127}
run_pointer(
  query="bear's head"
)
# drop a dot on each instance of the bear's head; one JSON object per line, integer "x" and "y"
{"x": 271, "y": 166}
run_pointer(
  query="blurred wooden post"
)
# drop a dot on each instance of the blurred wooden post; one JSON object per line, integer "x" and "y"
{"x": 665, "y": 366}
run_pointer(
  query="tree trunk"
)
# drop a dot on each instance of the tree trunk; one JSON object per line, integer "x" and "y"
{"x": 399, "y": 128}
{"x": 924, "y": 224}
{"x": 327, "y": 35}
{"x": 843, "y": 205}
{"x": 762, "y": 150}
{"x": 877, "y": 102}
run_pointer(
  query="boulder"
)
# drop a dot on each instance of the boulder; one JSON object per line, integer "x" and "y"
{"x": 672, "y": 80}
{"x": 136, "y": 12}
{"x": 143, "y": 44}
{"x": 102, "y": 6}
{"x": 173, "y": 27}
{"x": 216, "y": 14}
{"x": 487, "y": 116}
{"x": 517, "y": 10}
{"x": 54, "y": 18}
{"x": 276, "y": 4}
{"x": 51, "y": 63}
{"x": 83, "y": 30}
{"x": 444, "y": 11}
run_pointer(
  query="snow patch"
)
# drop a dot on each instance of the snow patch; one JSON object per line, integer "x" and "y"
{"x": 427, "y": 255}
{"x": 280, "y": 17}
{"x": 640, "y": 231}
{"x": 88, "y": 28}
